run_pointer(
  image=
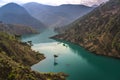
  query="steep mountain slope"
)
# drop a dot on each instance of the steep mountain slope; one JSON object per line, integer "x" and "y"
{"x": 16, "y": 58}
{"x": 12, "y": 13}
{"x": 18, "y": 51}
{"x": 98, "y": 31}
{"x": 55, "y": 16}
{"x": 16, "y": 29}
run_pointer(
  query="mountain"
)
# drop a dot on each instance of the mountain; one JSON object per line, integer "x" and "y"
{"x": 98, "y": 31}
{"x": 16, "y": 29}
{"x": 12, "y": 13}
{"x": 16, "y": 57}
{"x": 94, "y": 5}
{"x": 56, "y": 16}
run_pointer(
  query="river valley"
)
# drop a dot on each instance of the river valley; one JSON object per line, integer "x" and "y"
{"x": 72, "y": 59}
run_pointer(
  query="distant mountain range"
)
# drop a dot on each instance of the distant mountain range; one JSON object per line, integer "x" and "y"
{"x": 13, "y": 13}
{"x": 98, "y": 31}
{"x": 56, "y": 16}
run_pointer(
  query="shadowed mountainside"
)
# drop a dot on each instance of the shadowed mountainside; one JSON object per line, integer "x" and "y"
{"x": 56, "y": 16}
{"x": 12, "y": 13}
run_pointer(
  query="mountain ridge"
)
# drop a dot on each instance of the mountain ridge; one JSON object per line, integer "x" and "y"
{"x": 55, "y": 16}
{"x": 98, "y": 31}
{"x": 13, "y": 13}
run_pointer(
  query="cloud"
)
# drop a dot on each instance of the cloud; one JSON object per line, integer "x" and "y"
{"x": 2, "y": 2}
{"x": 92, "y": 2}
{"x": 56, "y": 2}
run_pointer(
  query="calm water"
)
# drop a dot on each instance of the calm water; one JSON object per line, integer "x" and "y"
{"x": 72, "y": 59}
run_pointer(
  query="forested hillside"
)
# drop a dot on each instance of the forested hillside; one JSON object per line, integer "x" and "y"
{"x": 98, "y": 31}
{"x": 17, "y": 29}
{"x": 16, "y": 57}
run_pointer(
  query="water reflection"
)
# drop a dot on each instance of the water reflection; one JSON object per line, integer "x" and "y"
{"x": 73, "y": 60}
{"x": 40, "y": 38}
{"x": 55, "y": 62}
{"x": 101, "y": 64}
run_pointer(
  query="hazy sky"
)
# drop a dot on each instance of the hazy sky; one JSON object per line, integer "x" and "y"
{"x": 56, "y": 2}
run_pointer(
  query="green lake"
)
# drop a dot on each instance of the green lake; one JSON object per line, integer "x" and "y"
{"x": 72, "y": 59}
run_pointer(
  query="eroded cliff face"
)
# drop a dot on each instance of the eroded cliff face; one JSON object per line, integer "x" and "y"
{"x": 98, "y": 31}
{"x": 16, "y": 57}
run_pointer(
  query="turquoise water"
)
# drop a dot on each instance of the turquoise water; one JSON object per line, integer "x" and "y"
{"x": 73, "y": 60}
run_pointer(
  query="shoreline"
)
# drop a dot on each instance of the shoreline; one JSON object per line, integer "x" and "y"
{"x": 108, "y": 56}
